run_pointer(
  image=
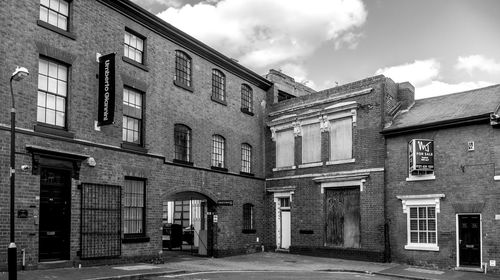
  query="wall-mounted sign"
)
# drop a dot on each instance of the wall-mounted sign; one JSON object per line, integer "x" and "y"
{"x": 106, "y": 106}
{"x": 421, "y": 155}
{"x": 224, "y": 203}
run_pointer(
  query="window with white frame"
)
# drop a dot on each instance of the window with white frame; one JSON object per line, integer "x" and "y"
{"x": 285, "y": 147}
{"x": 132, "y": 116}
{"x": 133, "y": 47}
{"x": 52, "y": 92}
{"x": 311, "y": 143}
{"x": 55, "y": 12}
{"x": 422, "y": 210}
{"x": 341, "y": 139}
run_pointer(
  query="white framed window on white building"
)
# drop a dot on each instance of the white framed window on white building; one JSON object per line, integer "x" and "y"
{"x": 341, "y": 140}
{"x": 422, "y": 221}
{"x": 285, "y": 148}
{"x": 311, "y": 143}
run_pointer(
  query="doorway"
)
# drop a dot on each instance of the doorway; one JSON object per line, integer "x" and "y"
{"x": 469, "y": 240}
{"x": 283, "y": 221}
{"x": 55, "y": 214}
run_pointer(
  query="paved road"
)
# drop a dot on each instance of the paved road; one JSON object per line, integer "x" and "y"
{"x": 271, "y": 275}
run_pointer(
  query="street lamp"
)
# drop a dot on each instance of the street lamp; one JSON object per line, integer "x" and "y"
{"x": 18, "y": 75}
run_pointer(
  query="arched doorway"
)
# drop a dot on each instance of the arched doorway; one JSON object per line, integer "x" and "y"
{"x": 187, "y": 219}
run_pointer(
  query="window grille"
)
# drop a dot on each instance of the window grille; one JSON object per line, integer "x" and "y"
{"x": 133, "y": 208}
{"x": 100, "y": 221}
{"x": 248, "y": 222}
{"x": 182, "y": 69}
{"x": 246, "y": 158}
{"x": 218, "y": 85}
{"x": 218, "y": 146}
{"x": 246, "y": 98}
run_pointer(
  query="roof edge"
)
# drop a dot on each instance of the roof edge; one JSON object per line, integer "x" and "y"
{"x": 434, "y": 125}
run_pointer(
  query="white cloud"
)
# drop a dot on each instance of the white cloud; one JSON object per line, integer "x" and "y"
{"x": 436, "y": 88}
{"x": 260, "y": 33}
{"x": 425, "y": 76}
{"x": 477, "y": 62}
{"x": 299, "y": 73}
{"x": 349, "y": 40}
{"x": 420, "y": 72}
{"x": 156, "y": 6}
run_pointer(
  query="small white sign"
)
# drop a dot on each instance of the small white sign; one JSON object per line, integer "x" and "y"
{"x": 493, "y": 263}
{"x": 216, "y": 218}
{"x": 497, "y": 217}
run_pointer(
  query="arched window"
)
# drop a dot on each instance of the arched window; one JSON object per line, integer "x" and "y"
{"x": 183, "y": 68}
{"x": 246, "y": 99}
{"x": 218, "y": 85}
{"x": 246, "y": 158}
{"x": 182, "y": 141}
{"x": 218, "y": 150}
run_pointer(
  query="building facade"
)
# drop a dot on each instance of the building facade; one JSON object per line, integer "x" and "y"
{"x": 325, "y": 168}
{"x": 109, "y": 193}
{"x": 442, "y": 187}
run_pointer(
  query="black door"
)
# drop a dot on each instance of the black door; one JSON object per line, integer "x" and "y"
{"x": 469, "y": 240}
{"x": 55, "y": 195}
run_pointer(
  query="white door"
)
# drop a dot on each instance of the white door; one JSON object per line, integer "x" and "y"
{"x": 285, "y": 229}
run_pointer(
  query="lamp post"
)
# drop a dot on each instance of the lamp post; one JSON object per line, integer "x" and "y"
{"x": 18, "y": 75}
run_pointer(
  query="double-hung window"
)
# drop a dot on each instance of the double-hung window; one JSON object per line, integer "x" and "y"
{"x": 246, "y": 99}
{"x": 132, "y": 116}
{"x": 341, "y": 139}
{"x": 218, "y": 86}
{"x": 134, "y": 210}
{"x": 182, "y": 135}
{"x": 52, "y": 93}
{"x": 183, "y": 76}
{"x": 55, "y": 13}
{"x": 218, "y": 150}
{"x": 133, "y": 47}
{"x": 246, "y": 158}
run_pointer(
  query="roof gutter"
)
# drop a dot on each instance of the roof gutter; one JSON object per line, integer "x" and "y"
{"x": 484, "y": 118}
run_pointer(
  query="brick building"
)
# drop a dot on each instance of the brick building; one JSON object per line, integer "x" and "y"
{"x": 325, "y": 166}
{"x": 170, "y": 156}
{"x": 442, "y": 187}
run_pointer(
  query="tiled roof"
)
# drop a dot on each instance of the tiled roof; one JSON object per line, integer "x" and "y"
{"x": 462, "y": 105}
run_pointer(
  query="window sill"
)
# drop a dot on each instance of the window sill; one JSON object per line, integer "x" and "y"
{"x": 59, "y": 131}
{"x": 134, "y": 147}
{"x": 183, "y": 86}
{"x": 218, "y": 168}
{"x": 311, "y": 164}
{"x": 182, "y": 162}
{"x": 249, "y": 231}
{"x": 420, "y": 178}
{"x": 247, "y": 174}
{"x": 342, "y": 161}
{"x": 141, "y": 239}
{"x": 246, "y": 111}
{"x": 218, "y": 101}
{"x": 422, "y": 247}
{"x": 135, "y": 63}
{"x": 284, "y": 168}
{"x": 56, "y": 29}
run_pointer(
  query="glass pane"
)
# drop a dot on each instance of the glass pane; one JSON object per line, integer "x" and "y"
{"x": 51, "y": 101}
{"x": 127, "y": 38}
{"x": 62, "y": 73}
{"x": 52, "y": 85}
{"x": 422, "y": 212}
{"x": 50, "y": 117}
{"x": 62, "y": 22}
{"x": 422, "y": 225}
{"x": 413, "y": 225}
{"x": 132, "y": 40}
{"x": 422, "y": 237}
{"x": 140, "y": 43}
{"x": 413, "y": 237}
{"x": 63, "y": 8}
{"x": 41, "y": 99}
{"x": 138, "y": 56}
{"x": 432, "y": 212}
{"x": 61, "y": 88}
{"x": 125, "y": 51}
{"x": 432, "y": 224}
{"x": 44, "y": 2}
{"x": 53, "y": 17}
{"x": 40, "y": 114}
{"x": 44, "y": 13}
{"x": 60, "y": 104}
{"x": 42, "y": 82}
{"x": 43, "y": 67}
{"x": 54, "y": 4}
{"x": 60, "y": 118}
{"x": 413, "y": 213}
{"x": 52, "y": 69}
{"x": 432, "y": 237}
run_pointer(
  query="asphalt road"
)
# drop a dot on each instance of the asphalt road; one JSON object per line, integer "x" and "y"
{"x": 271, "y": 275}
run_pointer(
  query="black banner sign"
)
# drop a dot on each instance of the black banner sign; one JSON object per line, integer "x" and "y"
{"x": 421, "y": 155}
{"x": 106, "y": 109}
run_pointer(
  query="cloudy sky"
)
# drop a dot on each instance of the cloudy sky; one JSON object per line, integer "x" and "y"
{"x": 440, "y": 46}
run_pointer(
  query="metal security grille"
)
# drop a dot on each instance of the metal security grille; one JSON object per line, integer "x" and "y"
{"x": 100, "y": 221}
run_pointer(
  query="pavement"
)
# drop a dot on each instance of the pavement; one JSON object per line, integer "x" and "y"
{"x": 265, "y": 261}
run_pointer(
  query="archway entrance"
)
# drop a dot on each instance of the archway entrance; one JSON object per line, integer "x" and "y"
{"x": 187, "y": 219}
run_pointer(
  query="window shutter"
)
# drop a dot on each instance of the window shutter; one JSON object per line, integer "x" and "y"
{"x": 341, "y": 139}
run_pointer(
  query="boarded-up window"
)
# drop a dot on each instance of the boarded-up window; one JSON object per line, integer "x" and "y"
{"x": 311, "y": 143}
{"x": 341, "y": 139}
{"x": 285, "y": 148}
{"x": 342, "y": 214}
